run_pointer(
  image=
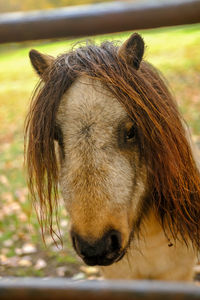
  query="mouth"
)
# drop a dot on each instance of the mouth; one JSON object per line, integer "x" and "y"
{"x": 103, "y": 260}
{"x": 103, "y": 252}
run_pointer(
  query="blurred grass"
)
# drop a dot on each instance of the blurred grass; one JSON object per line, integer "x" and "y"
{"x": 175, "y": 51}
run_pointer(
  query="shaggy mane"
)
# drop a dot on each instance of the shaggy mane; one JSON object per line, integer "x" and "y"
{"x": 174, "y": 179}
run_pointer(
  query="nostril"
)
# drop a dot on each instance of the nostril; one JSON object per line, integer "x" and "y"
{"x": 114, "y": 241}
{"x": 75, "y": 242}
{"x": 81, "y": 246}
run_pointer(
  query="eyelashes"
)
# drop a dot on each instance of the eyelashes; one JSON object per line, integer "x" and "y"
{"x": 127, "y": 135}
{"x": 58, "y": 135}
{"x": 130, "y": 134}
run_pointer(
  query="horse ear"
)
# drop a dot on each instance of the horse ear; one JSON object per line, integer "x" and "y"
{"x": 40, "y": 62}
{"x": 132, "y": 50}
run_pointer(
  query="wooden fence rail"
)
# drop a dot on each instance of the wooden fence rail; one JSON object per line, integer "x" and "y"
{"x": 97, "y": 19}
{"x": 60, "y": 289}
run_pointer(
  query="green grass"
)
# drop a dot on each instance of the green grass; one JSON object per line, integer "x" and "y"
{"x": 175, "y": 51}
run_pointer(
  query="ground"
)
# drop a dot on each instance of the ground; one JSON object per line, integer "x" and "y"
{"x": 175, "y": 51}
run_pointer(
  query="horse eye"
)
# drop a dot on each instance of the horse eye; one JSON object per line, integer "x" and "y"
{"x": 130, "y": 134}
{"x": 58, "y": 136}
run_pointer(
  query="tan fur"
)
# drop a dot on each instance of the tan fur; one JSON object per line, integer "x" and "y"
{"x": 97, "y": 185}
{"x": 152, "y": 258}
{"x": 96, "y": 178}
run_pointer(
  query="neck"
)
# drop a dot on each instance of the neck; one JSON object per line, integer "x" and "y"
{"x": 152, "y": 257}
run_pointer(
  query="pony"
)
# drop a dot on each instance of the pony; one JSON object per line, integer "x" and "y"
{"x": 104, "y": 129}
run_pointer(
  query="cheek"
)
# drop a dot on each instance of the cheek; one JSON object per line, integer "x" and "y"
{"x": 64, "y": 185}
{"x": 119, "y": 181}
{"x": 126, "y": 185}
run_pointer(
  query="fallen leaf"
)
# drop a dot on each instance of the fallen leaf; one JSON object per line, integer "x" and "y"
{"x": 4, "y": 250}
{"x": 8, "y": 243}
{"x": 89, "y": 270}
{"x": 25, "y": 262}
{"x": 8, "y": 197}
{"x": 60, "y": 271}
{"x": 22, "y": 217}
{"x": 28, "y": 248}
{"x": 18, "y": 251}
{"x": 4, "y": 180}
{"x": 40, "y": 264}
{"x": 13, "y": 261}
{"x": 21, "y": 194}
{"x": 3, "y": 259}
{"x": 64, "y": 223}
